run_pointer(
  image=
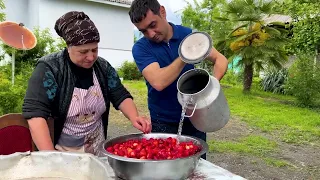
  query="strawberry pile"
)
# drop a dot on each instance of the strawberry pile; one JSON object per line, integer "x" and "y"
{"x": 154, "y": 149}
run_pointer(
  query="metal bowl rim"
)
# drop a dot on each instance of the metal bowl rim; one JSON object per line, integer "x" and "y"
{"x": 121, "y": 158}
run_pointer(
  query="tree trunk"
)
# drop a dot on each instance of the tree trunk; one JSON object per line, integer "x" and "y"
{"x": 248, "y": 75}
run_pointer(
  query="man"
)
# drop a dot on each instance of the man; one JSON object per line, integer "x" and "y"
{"x": 156, "y": 55}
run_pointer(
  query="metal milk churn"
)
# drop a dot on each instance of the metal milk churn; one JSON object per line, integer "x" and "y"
{"x": 201, "y": 93}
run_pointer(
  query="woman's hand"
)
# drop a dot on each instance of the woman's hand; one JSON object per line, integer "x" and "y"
{"x": 128, "y": 108}
{"x": 142, "y": 123}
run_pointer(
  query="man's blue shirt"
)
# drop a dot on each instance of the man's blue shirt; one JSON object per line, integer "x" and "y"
{"x": 163, "y": 105}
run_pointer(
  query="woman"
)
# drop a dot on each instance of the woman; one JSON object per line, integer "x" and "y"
{"x": 75, "y": 87}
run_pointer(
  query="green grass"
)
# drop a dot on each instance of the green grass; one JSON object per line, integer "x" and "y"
{"x": 138, "y": 90}
{"x": 257, "y": 146}
{"x": 276, "y": 162}
{"x": 272, "y": 113}
{"x": 136, "y": 85}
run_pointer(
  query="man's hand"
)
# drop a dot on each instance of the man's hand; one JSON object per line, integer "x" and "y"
{"x": 142, "y": 123}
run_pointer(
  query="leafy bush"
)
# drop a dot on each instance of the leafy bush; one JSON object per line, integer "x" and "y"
{"x": 274, "y": 81}
{"x": 256, "y": 81}
{"x": 303, "y": 81}
{"x": 11, "y": 96}
{"x": 231, "y": 78}
{"x": 9, "y": 101}
{"x": 129, "y": 71}
{"x": 120, "y": 73}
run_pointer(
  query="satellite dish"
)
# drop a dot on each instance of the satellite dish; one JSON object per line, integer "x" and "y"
{"x": 17, "y": 36}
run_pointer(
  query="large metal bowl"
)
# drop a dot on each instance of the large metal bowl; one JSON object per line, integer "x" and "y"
{"x": 142, "y": 169}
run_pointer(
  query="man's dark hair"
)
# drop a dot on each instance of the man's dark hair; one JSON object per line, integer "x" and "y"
{"x": 139, "y": 9}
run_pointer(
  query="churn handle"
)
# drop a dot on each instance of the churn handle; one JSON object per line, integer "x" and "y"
{"x": 194, "y": 109}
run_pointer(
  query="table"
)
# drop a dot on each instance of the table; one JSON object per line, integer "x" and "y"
{"x": 205, "y": 171}
{"x": 65, "y": 164}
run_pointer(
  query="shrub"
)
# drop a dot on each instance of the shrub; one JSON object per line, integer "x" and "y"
{"x": 231, "y": 78}
{"x": 120, "y": 73}
{"x": 9, "y": 101}
{"x": 274, "y": 81}
{"x": 11, "y": 96}
{"x": 129, "y": 71}
{"x": 256, "y": 81}
{"x": 303, "y": 81}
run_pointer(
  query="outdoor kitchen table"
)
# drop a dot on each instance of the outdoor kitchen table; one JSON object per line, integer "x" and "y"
{"x": 204, "y": 171}
{"x": 82, "y": 166}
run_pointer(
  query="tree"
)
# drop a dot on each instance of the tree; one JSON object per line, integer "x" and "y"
{"x": 259, "y": 44}
{"x": 303, "y": 81}
{"x": 201, "y": 17}
{"x": 306, "y": 24}
{"x": 2, "y": 15}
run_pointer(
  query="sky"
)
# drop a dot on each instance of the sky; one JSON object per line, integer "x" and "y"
{"x": 173, "y": 9}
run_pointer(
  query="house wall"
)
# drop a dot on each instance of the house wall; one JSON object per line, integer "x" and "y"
{"x": 33, "y": 13}
{"x": 16, "y": 11}
{"x": 113, "y": 22}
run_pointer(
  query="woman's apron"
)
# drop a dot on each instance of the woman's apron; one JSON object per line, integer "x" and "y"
{"x": 83, "y": 129}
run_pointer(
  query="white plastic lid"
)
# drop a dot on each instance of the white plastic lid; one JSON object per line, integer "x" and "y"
{"x": 195, "y": 47}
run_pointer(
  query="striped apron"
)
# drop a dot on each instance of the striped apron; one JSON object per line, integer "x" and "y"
{"x": 83, "y": 129}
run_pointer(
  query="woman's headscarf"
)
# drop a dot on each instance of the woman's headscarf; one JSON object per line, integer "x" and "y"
{"x": 76, "y": 28}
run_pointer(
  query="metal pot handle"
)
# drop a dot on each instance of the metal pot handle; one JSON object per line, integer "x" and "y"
{"x": 194, "y": 109}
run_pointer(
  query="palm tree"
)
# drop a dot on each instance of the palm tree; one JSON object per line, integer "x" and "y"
{"x": 258, "y": 43}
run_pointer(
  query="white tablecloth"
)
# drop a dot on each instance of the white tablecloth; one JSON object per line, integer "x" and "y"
{"x": 31, "y": 164}
{"x": 204, "y": 171}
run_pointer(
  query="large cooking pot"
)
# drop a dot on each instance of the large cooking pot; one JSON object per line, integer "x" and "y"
{"x": 143, "y": 169}
{"x": 202, "y": 95}
{"x": 52, "y": 165}
{"x": 198, "y": 91}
